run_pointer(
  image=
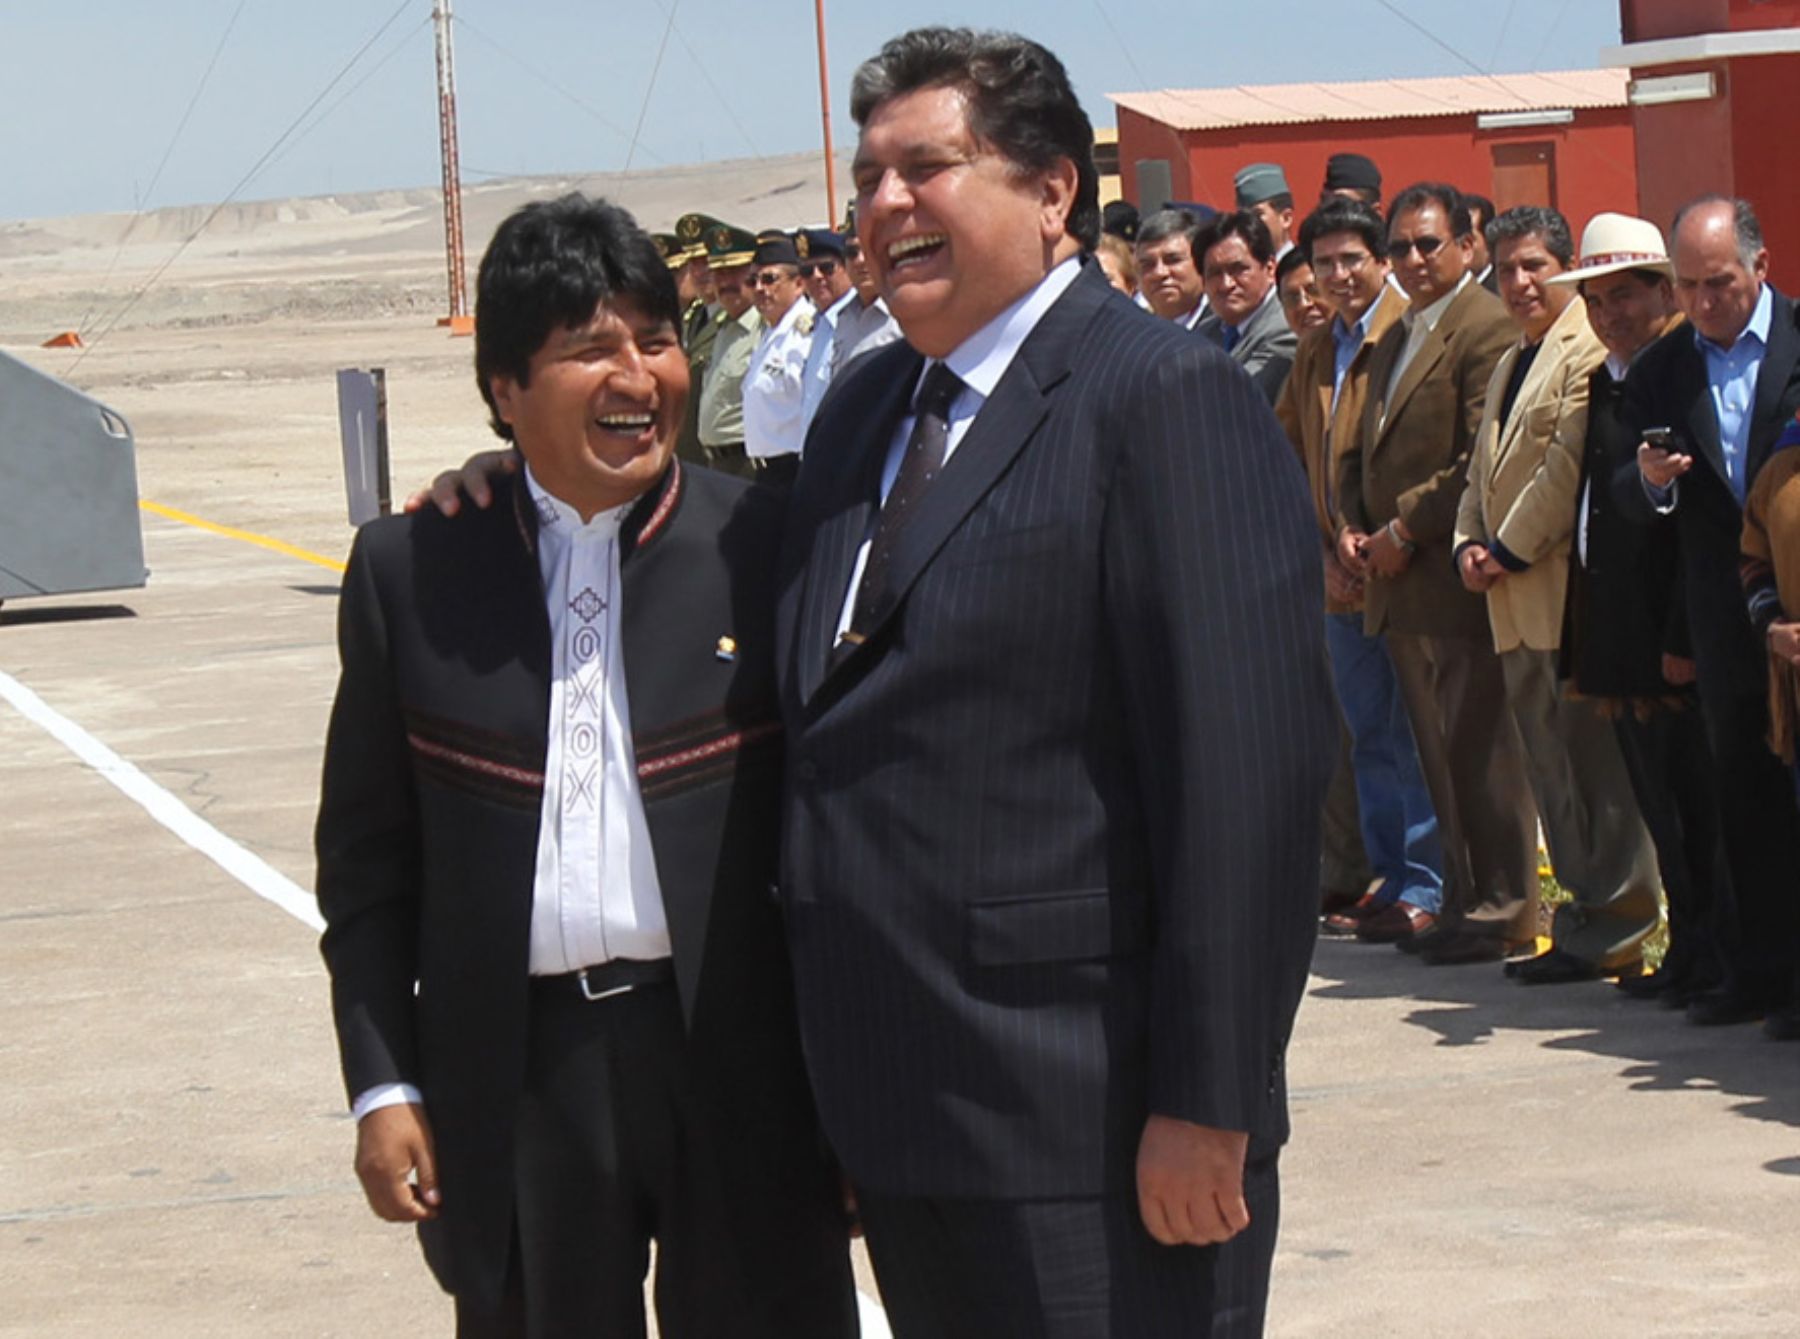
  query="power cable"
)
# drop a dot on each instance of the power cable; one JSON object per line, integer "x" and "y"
{"x": 717, "y": 92}
{"x": 545, "y": 79}
{"x": 1118, "y": 37}
{"x": 1550, "y": 32}
{"x": 243, "y": 181}
{"x": 1505, "y": 24}
{"x": 1429, "y": 36}
{"x": 156, "y": 176}
{"x": 650, "y": 88}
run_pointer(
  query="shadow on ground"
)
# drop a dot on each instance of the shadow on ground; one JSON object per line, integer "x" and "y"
{"x": 1467, "y": 1006}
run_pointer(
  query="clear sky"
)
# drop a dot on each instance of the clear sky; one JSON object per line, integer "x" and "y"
{"x": 92, "y": 91}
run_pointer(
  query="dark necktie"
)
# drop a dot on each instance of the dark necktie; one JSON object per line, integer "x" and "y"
{"x": 918, "y": 467}
{"x": 1232, "y": 335}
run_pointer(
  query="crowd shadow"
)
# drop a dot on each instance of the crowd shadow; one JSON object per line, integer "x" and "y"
{"x": 1661, "y": 1050}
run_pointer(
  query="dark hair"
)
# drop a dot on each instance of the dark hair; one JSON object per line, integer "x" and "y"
{"x": 1744, "y": 223}
{"x": 1020, "y": 101}
{"x": 1478, "y": 204}
{"x": 1279, "y": 202}
{"x": 1345, "y": 215}
{"x": 1446, "y": 198}
{"x": 1539, "y": 221}
{"x": 1167, "y": 223}
{"x": 1244, "y": 223}
{"x": 552, "y": 265}
{"x": 1291, "y": 259}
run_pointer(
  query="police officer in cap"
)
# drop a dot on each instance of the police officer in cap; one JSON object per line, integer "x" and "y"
{"x": 773, "y": 391}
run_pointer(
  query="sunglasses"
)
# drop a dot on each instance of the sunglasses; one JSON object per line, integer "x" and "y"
{"x": 824, "y": 267}
{"x": 768, "y": 279}
{"x": 1400, "y": 248}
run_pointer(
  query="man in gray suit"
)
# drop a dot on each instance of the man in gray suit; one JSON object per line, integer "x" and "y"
{"x": 1237, "y": 265}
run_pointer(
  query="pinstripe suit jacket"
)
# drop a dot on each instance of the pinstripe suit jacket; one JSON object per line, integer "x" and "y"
{"x": 1052, "y": 842}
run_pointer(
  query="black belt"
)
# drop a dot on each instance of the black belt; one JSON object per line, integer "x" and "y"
{"x": 727, "y": 451}
{"x": 609, "y": 978}
{"x": 765, "y": 462}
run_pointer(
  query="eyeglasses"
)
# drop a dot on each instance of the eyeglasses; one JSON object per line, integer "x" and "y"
{"x": 824, "y": 267}
{"x": 1348, "y": 261}
{"x": 768, "y": 279}
{"x": 1304, "y": 296}
{"x": 1400, "y": 247}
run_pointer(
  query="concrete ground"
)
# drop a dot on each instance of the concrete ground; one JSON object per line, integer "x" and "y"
{"x": 1470, "y": 1158}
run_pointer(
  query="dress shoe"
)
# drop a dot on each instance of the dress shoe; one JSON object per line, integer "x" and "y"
{"x": 1415, "y": 944}
{"x": 1783, "y": 1024}
{"x": 1334, "y": 900}
{"x": 1394, "y": 922}
{"x": 1561, "y": 968}
{"x": 1343, "y": 924}
{"x": 1650, "y": 985}
{"x": 1722, "y": 1008}
{"x": 1458, "y": 948}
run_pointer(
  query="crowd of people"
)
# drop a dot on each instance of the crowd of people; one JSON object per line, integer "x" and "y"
{"x": 933, "y": 841}
{"x": 1529, "y": 634}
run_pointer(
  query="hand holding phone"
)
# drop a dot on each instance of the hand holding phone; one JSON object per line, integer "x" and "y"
{"x": 1658, "y": 461}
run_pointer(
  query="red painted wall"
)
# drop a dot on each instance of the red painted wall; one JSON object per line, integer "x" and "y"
{"x": 1596, "y": 165}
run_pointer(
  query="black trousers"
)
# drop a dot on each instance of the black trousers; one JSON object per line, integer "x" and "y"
{"x": 1671, "y": 768}
{"x": 1062, "y": 1269}
{"x": 624, "y": 1137}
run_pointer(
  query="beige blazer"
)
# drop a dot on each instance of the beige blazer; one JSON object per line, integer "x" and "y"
{"x": 1411, "y": 461}
{"x": 1523, "y": 476}
{"x": 1306, "y": 413}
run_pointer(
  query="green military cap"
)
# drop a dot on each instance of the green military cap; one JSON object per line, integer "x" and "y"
{"x": 690, "y": 236}
{"x": 727, "y": 246}
{"x": 669, "y": 247}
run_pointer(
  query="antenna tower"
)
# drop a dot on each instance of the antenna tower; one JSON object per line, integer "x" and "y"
{"x": 459, "y": 320}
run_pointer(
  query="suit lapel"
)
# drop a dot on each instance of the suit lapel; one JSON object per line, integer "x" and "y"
{"x": 843, "y": 499}
{"x": 1002, "y": 427}
{"x": 1779, "y": 360}
{"x": 1696, "y": 393}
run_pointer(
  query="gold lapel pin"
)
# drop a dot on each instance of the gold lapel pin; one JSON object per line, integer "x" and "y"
{"x": 726, "y": 649}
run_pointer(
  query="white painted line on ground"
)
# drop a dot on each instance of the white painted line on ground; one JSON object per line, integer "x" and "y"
{"x": 252, "y": 871}
{"x": 874, "y": 1319}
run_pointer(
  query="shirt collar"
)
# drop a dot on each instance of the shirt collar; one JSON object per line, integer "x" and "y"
{"x": 1435, "y": 312}
{"x": 830, "y": 315}
{"x": 1359, "y": 332}
{"x": 1760, "y": 320}
{"x": 791, "y": 315}
{"x": 560, "y": 524}
{"x": 982, "y": 359}
{"x": 1239, "y": 327}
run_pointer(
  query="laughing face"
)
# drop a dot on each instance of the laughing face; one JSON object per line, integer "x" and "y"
{"x": 954, "y": 232}
{"x": 598, "y": 414}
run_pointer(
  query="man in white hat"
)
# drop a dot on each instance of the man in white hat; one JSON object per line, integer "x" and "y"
{"x": 1625, "y": 637}
{"x": 1513, "y": 533}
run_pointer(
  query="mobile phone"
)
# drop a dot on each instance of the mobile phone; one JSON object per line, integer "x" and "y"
{"x": 1662, "y": 438}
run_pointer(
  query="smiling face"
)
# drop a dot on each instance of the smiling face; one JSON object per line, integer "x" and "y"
{"x": 1522, "y": 265}
{"x": 732, "y": 288}
{"x": 1351, "y": 276}
{"x": 1301, "y": 300}
{"x": 861, "y": 276}
{"x": 1628, "y": 309}
{"x": 826, "y": 280}
{"x": 598, "y": 414}
{"x": 953, "y": 232}
{"x": 1168, "y": 276}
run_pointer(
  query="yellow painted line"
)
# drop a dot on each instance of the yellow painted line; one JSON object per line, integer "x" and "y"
{"x": 247, "y": 536}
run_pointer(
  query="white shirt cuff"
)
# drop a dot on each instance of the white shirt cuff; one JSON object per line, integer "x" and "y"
{"x": 385, "y": 1095}
{"x": 1662, "y": 499}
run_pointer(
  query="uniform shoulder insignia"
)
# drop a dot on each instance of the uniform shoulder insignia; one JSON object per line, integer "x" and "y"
{"x": 804, "y": 323}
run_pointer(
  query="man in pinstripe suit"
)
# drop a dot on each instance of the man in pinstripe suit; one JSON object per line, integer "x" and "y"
{"x": 1059, "y": 731}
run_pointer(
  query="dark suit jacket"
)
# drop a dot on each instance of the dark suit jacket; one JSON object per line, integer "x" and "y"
{"x": 1667, "y": 387}
{"x": 428, "y": 824}
{"x": 1624, "y": 611}
{"x": 1052, "y": 841}
{"x": 1411, "y": 461}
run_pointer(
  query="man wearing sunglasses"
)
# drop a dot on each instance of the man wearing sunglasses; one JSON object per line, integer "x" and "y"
{"x": 1400, "y": 485}
{"x": 827, "y": 283}
{"x": 773, "y": 427}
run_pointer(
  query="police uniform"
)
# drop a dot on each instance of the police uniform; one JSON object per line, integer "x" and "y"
{"x": 720, "y": 422}
{"x": 811, "y": 244}
{"x": 774, "y": 393}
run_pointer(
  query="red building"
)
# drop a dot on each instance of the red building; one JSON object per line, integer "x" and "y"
{"x": 1561, "y": 138}
{"x": 1713, "y": 92}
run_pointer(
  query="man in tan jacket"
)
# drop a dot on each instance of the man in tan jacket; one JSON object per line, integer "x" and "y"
{"x": 1513, "y": 533}
{"x": 1321, "y": 409}
{"x": 1399, "y": 487}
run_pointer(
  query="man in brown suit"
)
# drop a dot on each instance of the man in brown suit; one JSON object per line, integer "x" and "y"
{"x": 1513, "y": 534}
{"x": 1321, "y": 409}
{"x": 1399, "y": 489}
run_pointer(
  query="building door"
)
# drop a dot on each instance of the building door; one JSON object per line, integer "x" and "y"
{"x": 1524, "y": 174}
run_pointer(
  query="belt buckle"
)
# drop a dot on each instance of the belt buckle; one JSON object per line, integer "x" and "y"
{"x": 589, "y": 993}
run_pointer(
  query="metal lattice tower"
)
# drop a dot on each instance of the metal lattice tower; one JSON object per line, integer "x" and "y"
{"x": 453, "y": 222}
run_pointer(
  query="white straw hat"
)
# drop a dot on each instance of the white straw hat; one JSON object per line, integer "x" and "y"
{"x": 1614, "y": 242}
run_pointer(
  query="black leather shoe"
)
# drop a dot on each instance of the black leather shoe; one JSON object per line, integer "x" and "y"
{"x": 1559, "y": 968}
{"x": 1416, "y": 944}
{"x": 1458, "y": 948}
{"x": 1650, "y": 985}
{"x": 1722, "y": 1008}
{"x": 1783, "y": 1024}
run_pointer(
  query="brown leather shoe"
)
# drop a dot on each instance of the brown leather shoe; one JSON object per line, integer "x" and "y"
{"x": 1394, "y": 922}
{"x": 1342, "y": 924}
{"x": 1334, "y": 900}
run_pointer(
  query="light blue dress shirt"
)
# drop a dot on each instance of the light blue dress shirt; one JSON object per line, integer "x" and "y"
{"x": 1731, "y": 377}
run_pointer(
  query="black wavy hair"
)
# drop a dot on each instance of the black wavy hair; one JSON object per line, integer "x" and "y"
{"x": 551, "y": 265}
